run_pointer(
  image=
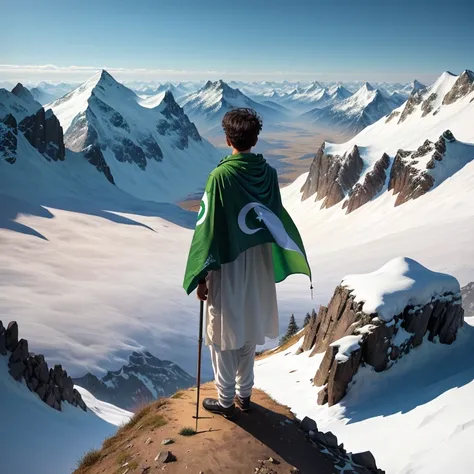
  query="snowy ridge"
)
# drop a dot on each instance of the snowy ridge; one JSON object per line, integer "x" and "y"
{"x": 208, "y": 105}
{"x": 355, "y": 112}
{"x": 399, "y": 283}
{"x": 152, "y": 149}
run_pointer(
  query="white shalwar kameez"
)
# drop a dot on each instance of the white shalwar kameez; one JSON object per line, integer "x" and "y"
{"x": 241, "y": 311}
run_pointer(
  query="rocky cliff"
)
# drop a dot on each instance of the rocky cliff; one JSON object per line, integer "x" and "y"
{"x": 21, "y": 113}
{"x": 143, "y": 379}
{"x": 352, "y": 334}
{"x": 332, "y": 176}
{"x": 52, "y": 385}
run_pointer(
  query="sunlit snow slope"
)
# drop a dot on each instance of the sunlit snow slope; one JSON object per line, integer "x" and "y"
{"x": 417, "y": 417}
{"x": 150, "y": 147}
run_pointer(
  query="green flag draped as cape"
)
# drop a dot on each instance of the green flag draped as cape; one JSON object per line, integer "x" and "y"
{"x": 241, "y": 208}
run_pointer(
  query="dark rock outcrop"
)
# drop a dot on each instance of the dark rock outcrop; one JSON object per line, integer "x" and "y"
{"x": 42, "y": 129}
{"x": 409, "y": 181}
{"x": 373, "y": 183}
{"x": 327, "y": 443}
{"x": 332, "y": 176}
{"x": 44, "y": 132}
{"x": 177, "y": 123}
{"x": 51, "y": 385}
{"x": 415, "y": 99}
{"x": 463, "y": 86}
{"x": 377, "y": 343}
{"x": 8, "y": 138}
{"x": 11, "y": 336}
{"x": 95, "y": 157}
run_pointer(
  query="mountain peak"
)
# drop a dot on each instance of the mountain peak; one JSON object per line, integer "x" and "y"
{"x": 23, "y": 93}
{"x": 368, "y": 86}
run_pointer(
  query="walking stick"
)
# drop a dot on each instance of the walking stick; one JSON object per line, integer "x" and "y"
{"x": 201, "y": 317}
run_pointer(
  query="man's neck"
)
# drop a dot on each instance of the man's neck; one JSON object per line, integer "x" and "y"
{"x": 237, "y": 152}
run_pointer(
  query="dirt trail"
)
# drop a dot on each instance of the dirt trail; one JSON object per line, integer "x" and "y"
{"x": 243, "y": 446}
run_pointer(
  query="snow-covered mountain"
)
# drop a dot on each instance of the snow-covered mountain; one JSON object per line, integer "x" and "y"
{"x": 20, "y": 114}
{"x": 208, "y": 105}
{"x": 410, "y": 152}
{"x": 424, "y": 398}
{"x": 143, "y": 379}
{"x": 46, "y": 92}
{"x": 314, "y": 96}
{"x": 149, "y": 149}
{"x": 354, "y": 113}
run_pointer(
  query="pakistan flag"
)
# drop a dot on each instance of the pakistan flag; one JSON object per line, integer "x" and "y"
{"x": 241, "y": 208}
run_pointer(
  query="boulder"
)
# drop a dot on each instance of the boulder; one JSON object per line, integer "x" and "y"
{"x": 17, "y": 369}
{"x": 308, "y": 424}
{"x": 365, "y": 459}
{"x": 20, "y": 352}
{"x": 41, "y": 391}
{"x": 32, "y": 384}
{"x": 41, "y": 371}
{"x": 165, "y": 457}
{"x": 11, "y": 336}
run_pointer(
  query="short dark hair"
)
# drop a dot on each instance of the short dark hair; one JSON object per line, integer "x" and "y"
{"x": 241, "y": 127}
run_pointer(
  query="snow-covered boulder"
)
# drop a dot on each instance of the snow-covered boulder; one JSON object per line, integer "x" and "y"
{"x": 378, "y": 317}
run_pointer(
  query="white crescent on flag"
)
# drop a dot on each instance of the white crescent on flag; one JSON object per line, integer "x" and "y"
{"x": 272, "y": 223}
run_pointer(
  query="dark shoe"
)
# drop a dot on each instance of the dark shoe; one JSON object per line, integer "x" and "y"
{"x": 213, "y": 405}
{"x": 243, "y": 403}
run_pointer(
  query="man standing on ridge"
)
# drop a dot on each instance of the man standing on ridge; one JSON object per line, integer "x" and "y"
{"x": 244, "y": 243}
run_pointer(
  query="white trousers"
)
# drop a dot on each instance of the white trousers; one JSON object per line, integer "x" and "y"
{"x": 233, "y": 372}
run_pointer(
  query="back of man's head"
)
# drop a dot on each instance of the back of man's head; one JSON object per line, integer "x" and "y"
{"x": 241, "y": 127}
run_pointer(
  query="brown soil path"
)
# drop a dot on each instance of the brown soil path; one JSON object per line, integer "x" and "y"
{"x": 220, "y": 447}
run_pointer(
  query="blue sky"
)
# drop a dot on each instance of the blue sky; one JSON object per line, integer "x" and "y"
{"x": 247, "y": 40}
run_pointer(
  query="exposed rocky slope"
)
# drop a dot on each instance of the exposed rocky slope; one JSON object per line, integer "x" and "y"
{"x": 339, "y": 174}
{"x": 143, "y": 379}
{"x": 411, "y": 303}
{"x": 20, "y": 113}
{"x": 53, "y": 386}
{"x": 467, "y": 293}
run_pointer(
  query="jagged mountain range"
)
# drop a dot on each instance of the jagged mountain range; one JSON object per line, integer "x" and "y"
{"x": 355, "y": 112}
{"x": 152, "y": 151}
{"x": 391, "y": 155}
{"x": 209, "y": 104}
{"x": 143, "y": 379}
